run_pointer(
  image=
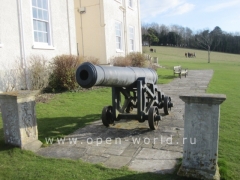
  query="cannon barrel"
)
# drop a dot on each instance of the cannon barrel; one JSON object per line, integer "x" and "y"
{"x": 88, "y": 75}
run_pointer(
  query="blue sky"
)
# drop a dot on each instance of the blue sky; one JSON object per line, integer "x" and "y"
{"x": 195, "y": 14}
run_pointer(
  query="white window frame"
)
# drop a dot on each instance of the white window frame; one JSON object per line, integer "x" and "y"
{"x": 49, "y": 43}
{"x": 118, "y": 44}
{"x": 130, "y": 4}
{"x": 131, "y": 38}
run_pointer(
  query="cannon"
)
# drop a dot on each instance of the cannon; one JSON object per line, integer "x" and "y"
{"x": 137, "y": 86}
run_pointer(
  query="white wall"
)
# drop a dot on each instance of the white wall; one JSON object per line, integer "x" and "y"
{"x": 10, "y": 34}
{"x": 113, "y": 13}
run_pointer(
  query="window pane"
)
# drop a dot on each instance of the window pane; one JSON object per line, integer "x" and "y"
{"x": 117, "y": 26}
{"x": 40, "y": 37}
{"x": 45, "y": 39}
{"x": 45, "y": 15}
{"x": 44, "y": 26}
{"x": 118, "y": 35}
{"x": 118, "y": 42}
{"x": 34, "y": 12}
{"x": 40, "y": 16}
{"x": 39, "y": 3}
{"x": 35, "y": 36}
{"x": 117, "y": 39}
{"x": 39, "y": 26}
{"x": 131, "y": 30}
{"x": 34, "y": 3}
{"x": 45, "y": 5}
{"x": 35, "y": 25}
{"x": 131, "y": 45}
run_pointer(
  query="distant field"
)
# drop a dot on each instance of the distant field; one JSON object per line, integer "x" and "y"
{"x": 226, "y": 80}
{"x": 170, "y": 56}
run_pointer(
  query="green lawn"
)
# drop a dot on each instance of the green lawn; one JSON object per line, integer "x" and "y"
{"x": 67, "y": 112}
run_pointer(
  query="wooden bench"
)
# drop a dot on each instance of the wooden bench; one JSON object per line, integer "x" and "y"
{"x": 178, "y": 70}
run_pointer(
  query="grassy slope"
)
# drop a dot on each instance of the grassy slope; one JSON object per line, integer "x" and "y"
{"x": 226, "y": 80}
{"x": 69, "y": 111}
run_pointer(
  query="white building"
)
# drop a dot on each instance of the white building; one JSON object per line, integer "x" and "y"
{"x": 107, "y": 28}
{"x": 34, "y": 27}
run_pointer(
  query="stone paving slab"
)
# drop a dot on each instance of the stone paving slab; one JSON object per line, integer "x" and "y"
{"x": 156, "y": 166}
{"x": 133, "y": 144}
{"x": 155, "y": 154}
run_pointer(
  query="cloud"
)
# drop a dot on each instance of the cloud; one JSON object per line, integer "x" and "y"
{"x": 184, "y": 8}
{"x": 220, "y": 6}
{"x": 153, "y": 8}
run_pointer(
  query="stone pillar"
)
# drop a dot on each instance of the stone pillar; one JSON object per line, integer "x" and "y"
{"x": 155, "y": 60}
{"x": 201, "y": 131}
{"x": 19, "y": 119}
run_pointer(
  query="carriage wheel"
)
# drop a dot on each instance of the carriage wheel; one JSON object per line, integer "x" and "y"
{"x": 167, "y": 100}
{"x": 152, "y": 113}
{"x": 107, "y": 116}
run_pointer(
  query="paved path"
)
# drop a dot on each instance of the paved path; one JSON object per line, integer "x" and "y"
{"x": 132, "y": 144}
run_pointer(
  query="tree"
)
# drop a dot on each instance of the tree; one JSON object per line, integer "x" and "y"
{"x": 217, "y": 36}
{"x": 205, "y": 40}
{"x": 216, "y": 39}
{"x": 188, "y": 35}
{"x": 209, "y": 40}
{"x": 173, "y": 38}
{"x": 150, "y": 36}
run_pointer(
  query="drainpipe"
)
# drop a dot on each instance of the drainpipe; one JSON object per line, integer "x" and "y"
{"x": 80, "y": 3}
{"x": 69, "y": 33}
{"x": 123, "y": 8}
{"x": 22, "y": 44}
{"x": 139, "y": 28}
{"x": 125, "y": 27}
{"x": 102, "y": 24}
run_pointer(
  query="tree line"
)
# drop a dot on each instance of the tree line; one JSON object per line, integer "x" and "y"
{"x": 175, "y": 35}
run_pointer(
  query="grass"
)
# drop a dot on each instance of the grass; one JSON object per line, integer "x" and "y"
{"x": 164, "y": 75}
{"x": 17, "y": 164}
{"x": 70, "y": 111}
{"x": 67, "y": 112}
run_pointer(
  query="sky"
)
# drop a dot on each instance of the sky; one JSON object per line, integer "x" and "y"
{"x": 195, "y": 14}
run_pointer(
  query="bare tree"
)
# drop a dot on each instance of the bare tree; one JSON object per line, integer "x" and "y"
{"x": 209, "y": 40}
{"x": 188, "y": 35}
{"x": 204, "y": 39}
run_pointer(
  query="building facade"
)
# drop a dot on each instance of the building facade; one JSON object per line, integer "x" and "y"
{"x": 107, "y": 28}
{"x": 34, "y": 27}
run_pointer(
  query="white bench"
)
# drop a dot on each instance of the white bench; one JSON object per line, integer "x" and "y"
{"x": 178, "y": 70}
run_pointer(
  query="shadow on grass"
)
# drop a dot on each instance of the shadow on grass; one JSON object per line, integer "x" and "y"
{"x": 61, "y": 126}
{"x": 166, "y": 76}
{"x": 145, "y": 176}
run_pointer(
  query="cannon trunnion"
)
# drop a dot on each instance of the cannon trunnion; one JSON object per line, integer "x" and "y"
{"x": 136, "y": 86}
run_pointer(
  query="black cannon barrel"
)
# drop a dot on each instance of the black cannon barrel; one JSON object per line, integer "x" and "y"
{"x": 88, "y": 75}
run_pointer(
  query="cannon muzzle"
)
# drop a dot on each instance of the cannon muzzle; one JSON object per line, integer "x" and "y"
{"x": 88, "y": 75}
